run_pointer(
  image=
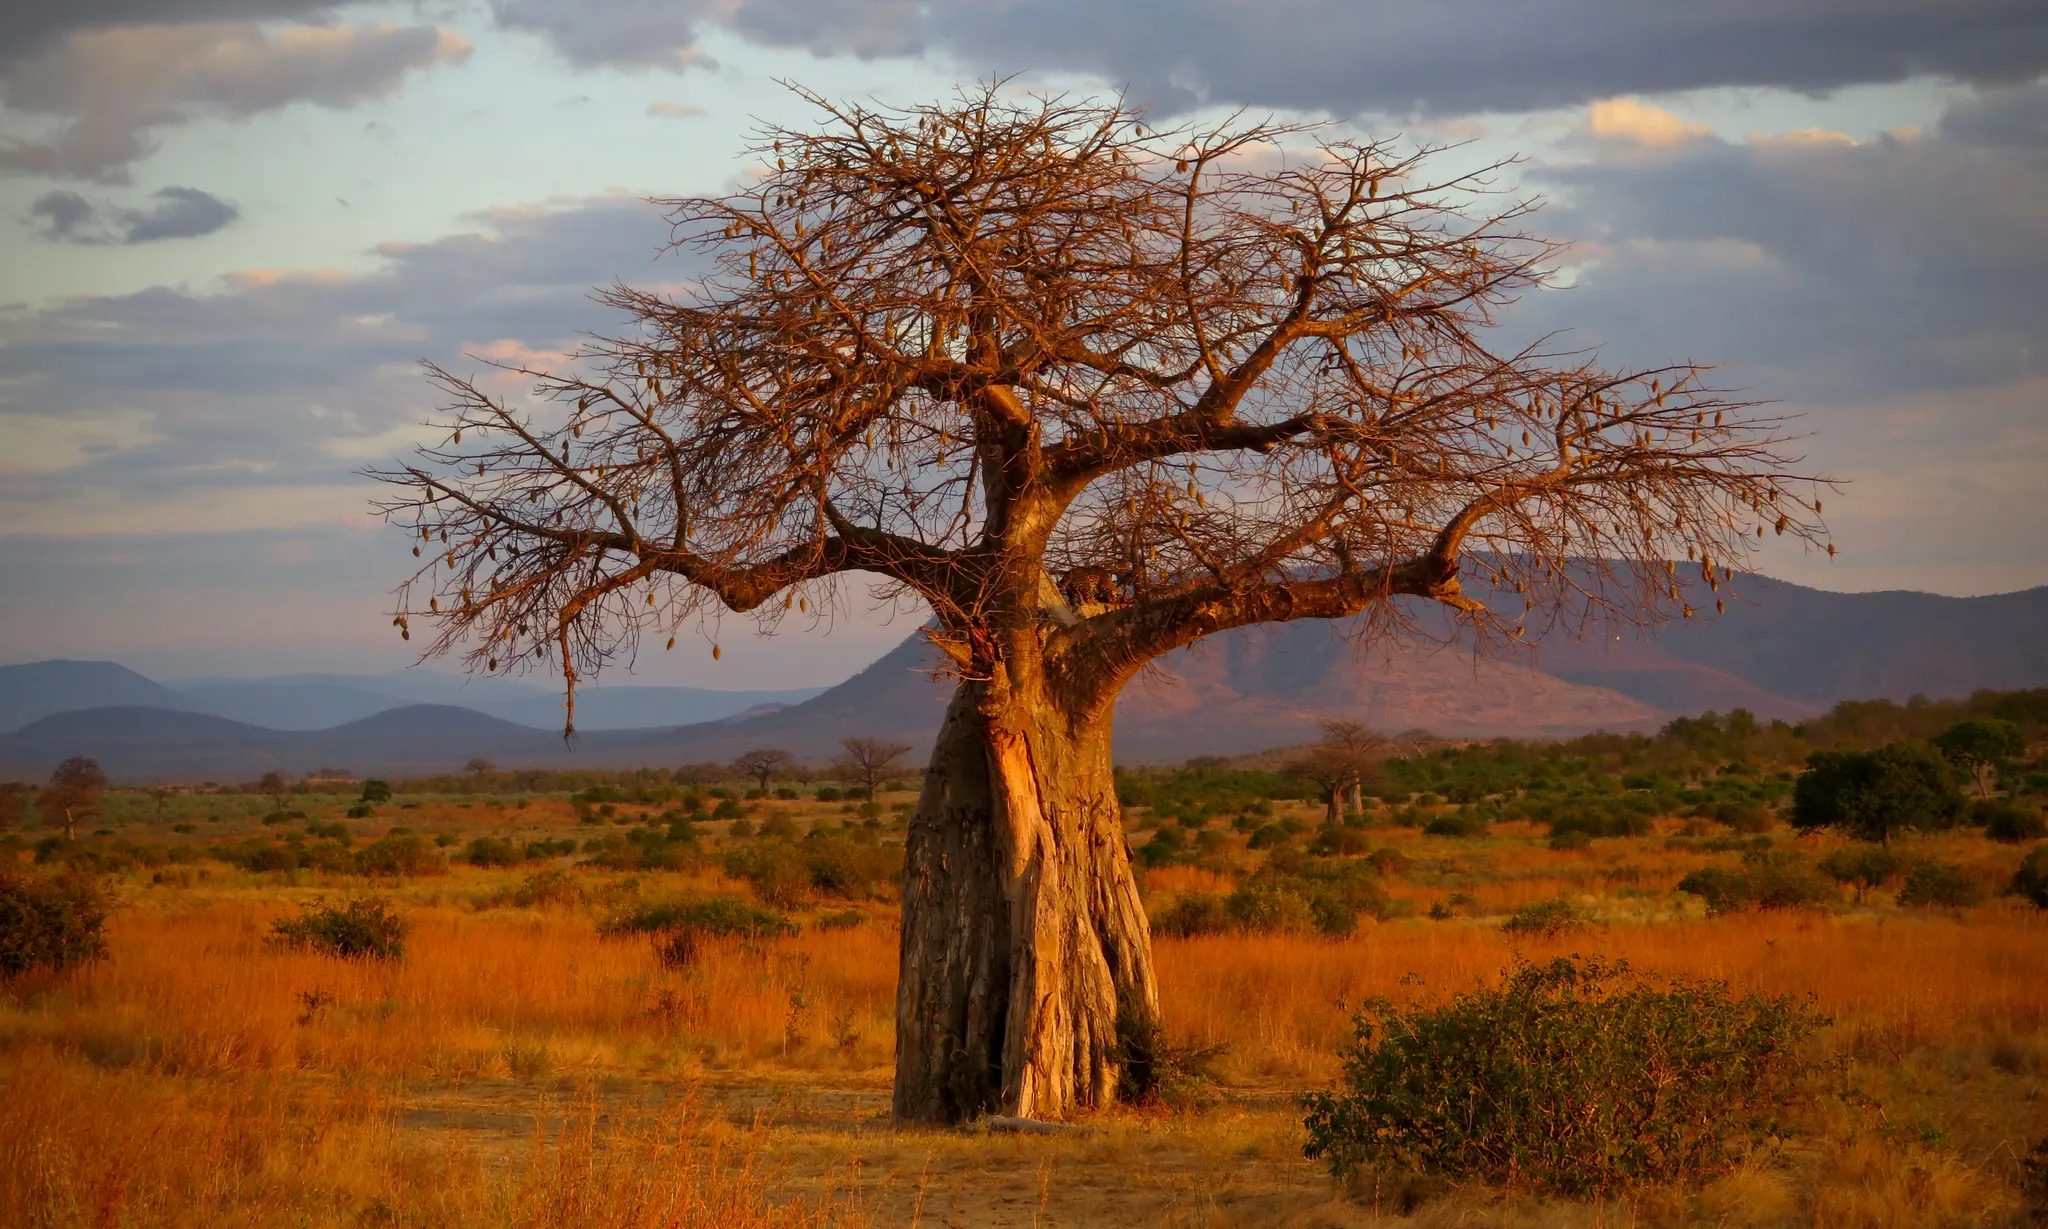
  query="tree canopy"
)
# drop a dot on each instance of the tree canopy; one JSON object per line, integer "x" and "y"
{"x": 1009, "y": 353}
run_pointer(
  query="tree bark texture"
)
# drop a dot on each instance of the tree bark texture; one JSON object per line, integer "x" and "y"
{"x": 1022, "y": 928}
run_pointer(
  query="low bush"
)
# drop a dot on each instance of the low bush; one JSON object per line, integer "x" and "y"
{"x": 1270, "y": 907}
{"x": 548, "y": 887}
{"x": 1194, "y": 913}
{"x": 400, "y": 854}
{"x": 1765, "y": 880}
{"x": 51, "y": 922}
{"x": 1573, "y": 1077}
{"x": 1570, "y": 839}
{"x": 1940, "y": 884}
{"x": 1545, "y": 918}
{"x": 493, "y": 851}
{"x": 364, "y": 929}
{"x": 2007, "y": 821}
{"x": 788, "y": 873}
{"x": 1457, "y": 826}
{"x": 1863, "y": 865}
{"x": 2030, "y": 881}
{"x": 679, "y": 925}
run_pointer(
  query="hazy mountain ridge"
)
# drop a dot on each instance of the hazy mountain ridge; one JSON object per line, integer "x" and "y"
{"x": 1781, "y": 650}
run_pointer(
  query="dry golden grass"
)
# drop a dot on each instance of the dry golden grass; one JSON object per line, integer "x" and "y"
{"x": 518, "y": 1069}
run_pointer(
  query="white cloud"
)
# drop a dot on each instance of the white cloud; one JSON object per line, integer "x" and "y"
{"x": 1625, "y": 119}
{"x": 670, "y": 109}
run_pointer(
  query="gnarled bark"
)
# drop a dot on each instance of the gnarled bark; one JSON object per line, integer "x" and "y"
{"x": 1022, "y": 927}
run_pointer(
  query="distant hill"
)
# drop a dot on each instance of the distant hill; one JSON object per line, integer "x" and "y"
{"x": 133, "y": 743}
{"x": 315, "y": 702}
{"x": 37, "y": 689}
{"x": 1781, "y": 650}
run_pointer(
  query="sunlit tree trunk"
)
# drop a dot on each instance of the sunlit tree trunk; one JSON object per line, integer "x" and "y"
{"x": 1022, "y": 927}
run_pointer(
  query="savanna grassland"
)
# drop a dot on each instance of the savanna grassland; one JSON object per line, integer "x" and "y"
{"x": 633, "y": 1000}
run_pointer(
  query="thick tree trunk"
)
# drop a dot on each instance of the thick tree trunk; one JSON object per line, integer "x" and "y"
{"x": 1022, "y": 927}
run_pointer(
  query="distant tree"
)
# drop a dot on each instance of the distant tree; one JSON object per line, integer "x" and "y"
{"x": 1361, "y": 744}
{"x": 1871, "y": 795}
{"x": 1980, "y": 748}
{"x": 73, "y": 793}
{"x": 702, "y": 773}
{"x": 159, "y": 794}
{"x": 871, "y": 761}
{"x": 375, "y": 791}
{"x": 1331, "y": 772}
{"x": 277, "y": 788}
{"x": 762, "y": 763}
{"x": 13, "y": 802}
{"x": 478, "y": 767}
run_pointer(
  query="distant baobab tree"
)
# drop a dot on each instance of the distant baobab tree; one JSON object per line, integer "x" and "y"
{"x": 762, "y": 763}
{"x": 1089, "y": 390}
{"x": 871, "y": 761}
{"x": 1340, "y": 763}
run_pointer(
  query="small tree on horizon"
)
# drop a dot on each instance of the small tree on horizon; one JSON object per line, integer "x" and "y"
{"x": 1981, "y": 748}
{"x": 277, "y": 787}
{"x": 762, "y": 763}
{"x": 479, "y": 767}
{"x": 73, "y": 793}
{"x": 871, "y": 761}
{"x": 1088, "y": 391}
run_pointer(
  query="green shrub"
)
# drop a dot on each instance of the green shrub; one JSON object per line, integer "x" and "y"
{"x": 49, "y": 922}
{"x": 1864, "y": 865}
{"x": 399, "y": 854}
{"x": 1270, "y": 908}
{"x": 1574, "y": 1077}
{"x": 1545, "y": 918}
{"x": 2031, "y": 879}
{"x": 827, "y": 793}
{"x": 1765, "y": 881}
{"x": 1569, "y": 839}
{"x": 2009, "y": 822}
{"x": 549, "y": 887}
{"x": 493, "y": 851}
{"x": 364, "y": 929}
{"x": 1940, "y": 884}
{"x": 1164, "y": 849}
{"x": 680, "y": 924}
{"x": 1456, "y": 826}
{"x": 375, "y": 791}
{"x": 1194, "y": 913}
{"x": 779, "y": 825}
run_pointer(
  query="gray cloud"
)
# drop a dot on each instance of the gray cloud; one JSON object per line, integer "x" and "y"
{"x": 30, "y": 27}
{"x": 178, "y": 213}
{"x": 1832, "y": 270}
{"x": 111, "y": 87}
{"x": 1350, "y": 56}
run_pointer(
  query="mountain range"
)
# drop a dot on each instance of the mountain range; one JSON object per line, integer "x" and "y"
{"x": 1780, "y": 650}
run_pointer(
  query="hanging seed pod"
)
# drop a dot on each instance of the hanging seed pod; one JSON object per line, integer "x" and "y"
{"x": 1783, "y": 521}
{"x": 491, "y": 663}
{"x": 803, "y": 605}
{"x": 434, "y": 604}
{"x": 671, "y": 643}
{"x": 1720, "y": 607}
{"x": 1831, "y": 550}
{"x": 1816, "y": 507}
{"x": 716, "y": 653}
{"x": 415, "y": 552}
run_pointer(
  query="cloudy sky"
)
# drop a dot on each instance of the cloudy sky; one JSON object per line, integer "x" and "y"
{"x": 231, "y": 229}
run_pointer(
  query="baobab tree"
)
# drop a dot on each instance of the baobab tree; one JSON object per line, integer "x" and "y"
{"x": 1089, "y": 390}
{"x": 1338, "y": 765}
{"x": 762, "y": 763}
{"x": 871, "y": 761}
{"x": 73, "y": 793}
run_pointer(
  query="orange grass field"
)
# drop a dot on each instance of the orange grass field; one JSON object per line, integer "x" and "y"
{"x": 515, "y": 1068}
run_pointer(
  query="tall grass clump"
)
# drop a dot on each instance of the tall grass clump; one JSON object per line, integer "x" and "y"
{"x": 49, "y": 922}
{"x": 1574, "y": 1077}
